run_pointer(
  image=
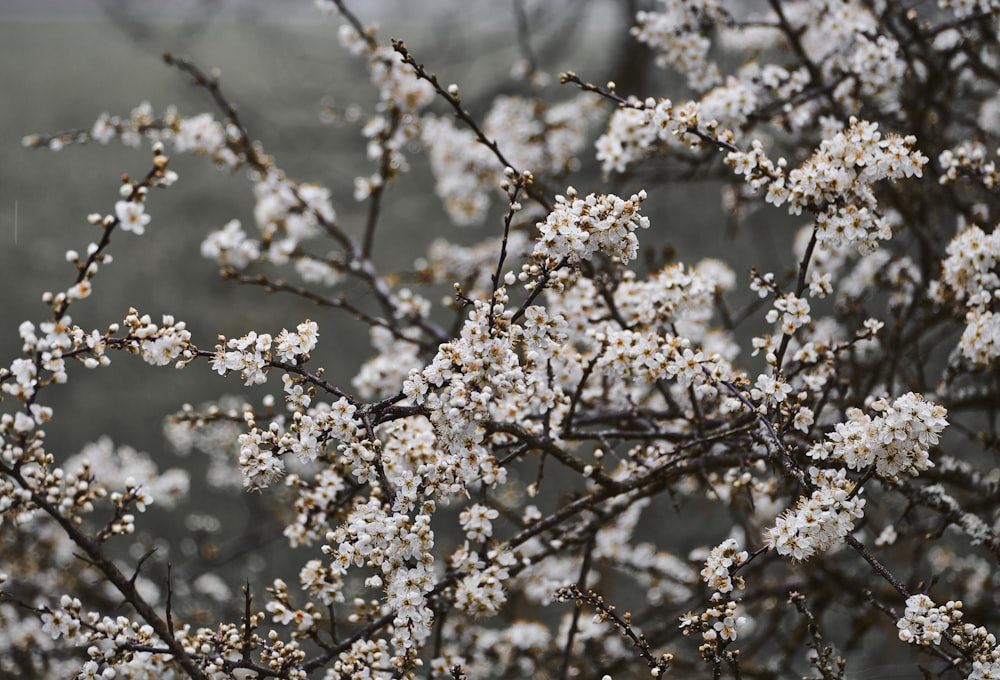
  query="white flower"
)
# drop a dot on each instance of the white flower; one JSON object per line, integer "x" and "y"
{"x": 769, "y": 390}
{"x": 985, "y": 670}
{"x": 230, "y": 246}
{"x": 132, "y": 216}
{"x": 200, "y": 133}
{"x": 476, "y": 522}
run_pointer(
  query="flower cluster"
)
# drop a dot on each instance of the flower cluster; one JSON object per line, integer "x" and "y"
{"x": 722, "y": 561}
{"x": 283, "y": 613}
{"x": 252, "y": 354}
{"x": 533, "y": 137}
{"x": 461, "y": 386}
{"x": 124, "y": 466}
{"x": 382, "y": 375}
{"x": 968, "y": 271}
{"x": 925, "y": 623}
{"x": 792, "y": 311}
{"x": 967, "y": 8}
{"x": 837, "y": 181}
{"x": 400, "y": 549}
{"x": 289, "y": 213}
{"x": 866, "y": 63}
{"x": 477, "y": 522}
{"x": 968, "y": 159}
{"x": 401, "y": 98}
{"x": 968, "y": 275}
{"x": 158, "y": 345}
{"x": 719, "y": 625}
{"x": 230, "y": 246}
{"x": 676, "y": 32}
{"x": 821, "y": 521}
{"x": 896, "y": 441}
{"x": 636, "y": 131}
{"x": 578, "y": 228}
{"x": 201, "y": 134}
{"x": 481, "y": 590}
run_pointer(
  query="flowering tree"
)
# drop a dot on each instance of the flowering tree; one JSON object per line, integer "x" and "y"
{"x": 491, "y": 496}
